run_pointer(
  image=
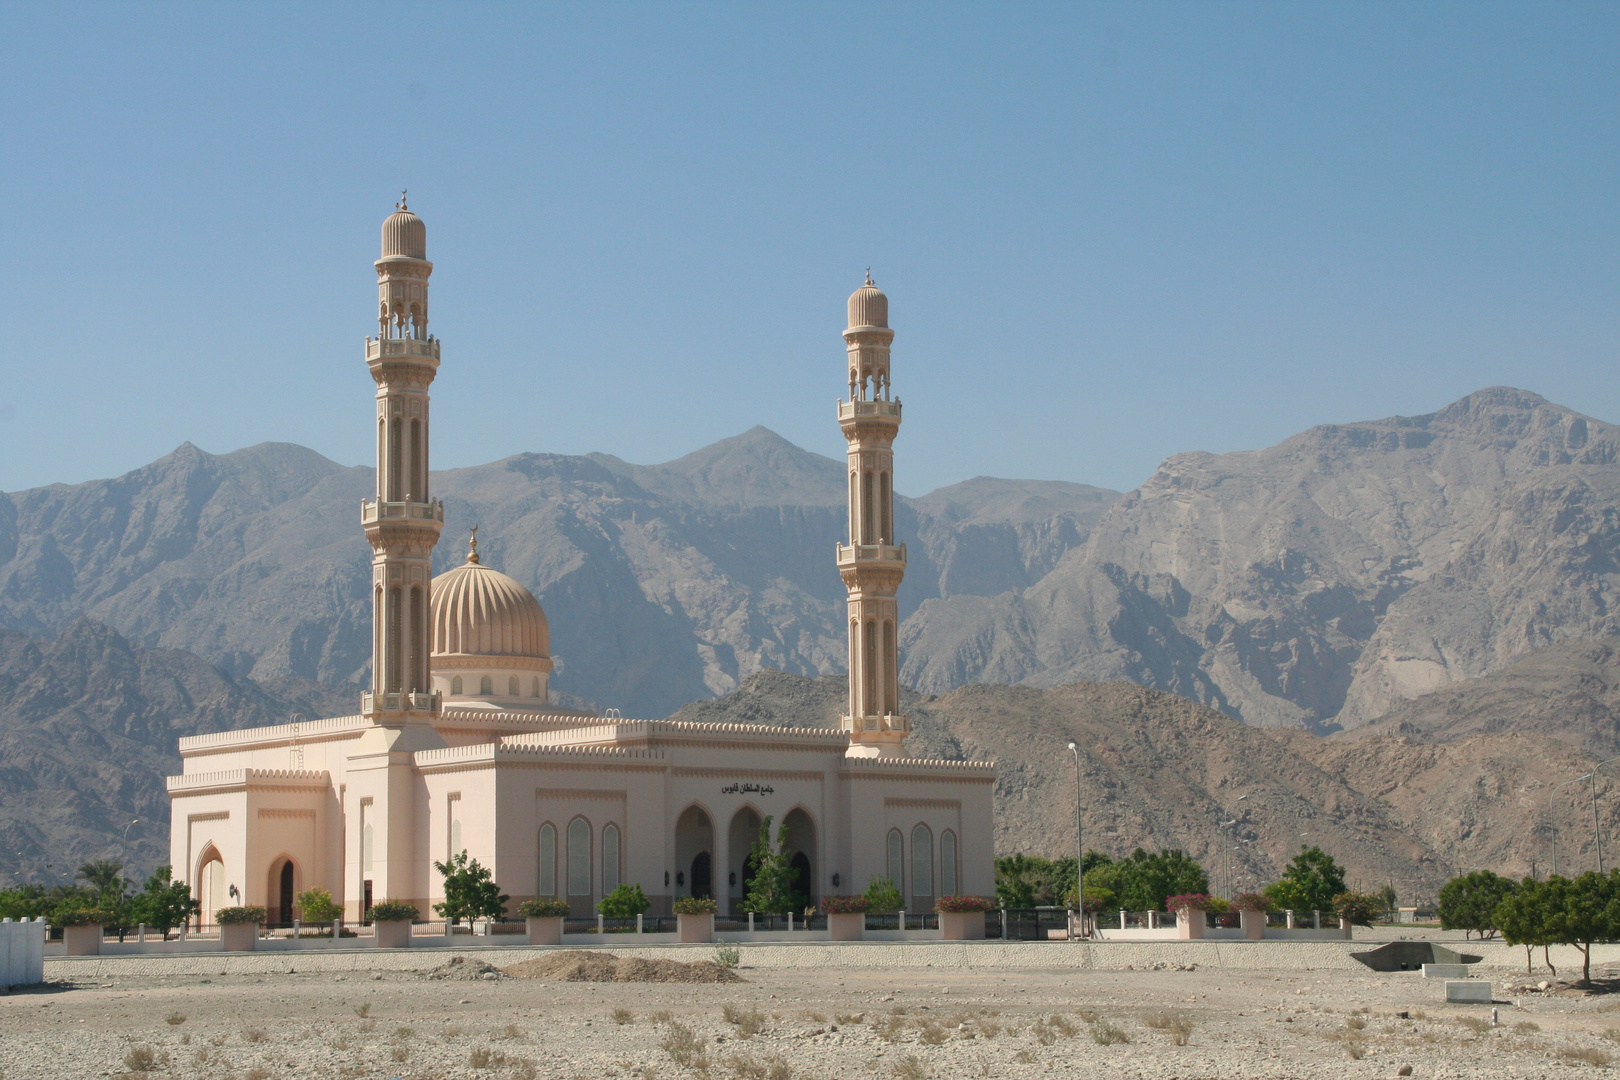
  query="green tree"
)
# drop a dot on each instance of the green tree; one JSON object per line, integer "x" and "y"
{"x": 1526, "y": 916}
{"x": 1142, "y": 881}
{"x": 106, "y": 878}
{"x": 881, "y": 896}
{"x": 774, "y": 890}
{"x": 25, "y": 902}
{"x": 625, "y": 902}
{"x": 1359, "y": 908}
{"x": 1309, "y": 883}
{"x": 1015, "y": 884}
{"x": 1387, "y": 897}
{"x": 163, "y": 902}
{"x": 317, "y": 906}
{"x": 469, "y": 892}
{"x": 1586, "y": 913}
{"x": 1468, "y": 902}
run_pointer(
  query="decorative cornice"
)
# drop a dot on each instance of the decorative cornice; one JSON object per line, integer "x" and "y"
{"x": 746, "y": 773}
{"x": 580, "y": 793}
{"x": 289, "y": 779}
{"x": 925, "y": 804}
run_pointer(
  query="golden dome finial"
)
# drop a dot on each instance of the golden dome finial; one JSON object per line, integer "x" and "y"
{"x": 869, "y": 280}
{"x": 472, "y": 547}
{"x": 401, "y": 204}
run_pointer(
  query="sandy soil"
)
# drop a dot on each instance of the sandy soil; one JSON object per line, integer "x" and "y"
{"x": 798, "y": 1024}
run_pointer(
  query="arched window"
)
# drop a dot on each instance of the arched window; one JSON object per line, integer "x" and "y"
{"x": 486, "y": 685}
{"x": 579, "y": 857}
{"x": 610, "y": 858}
{"x": 947, "y": 863}
{"x": 536, "y": 687}
{"x": 547, "y": 885}
{"x": 455, "y": 685}
{"x": 512, "y": 686}
{"x": 897, "y": 860}
{"x": 922, "y": 861}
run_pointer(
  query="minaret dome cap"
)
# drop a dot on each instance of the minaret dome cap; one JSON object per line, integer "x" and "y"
{"x": 403, "y": 234}
{"x": 868, "y": 306}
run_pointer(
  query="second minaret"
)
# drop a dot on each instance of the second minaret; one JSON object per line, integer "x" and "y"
{"x": 872, "y": 564}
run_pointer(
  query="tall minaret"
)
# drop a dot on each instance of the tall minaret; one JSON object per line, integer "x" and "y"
{"x": 403, "y": 522}
{"x": 872, "y": 564}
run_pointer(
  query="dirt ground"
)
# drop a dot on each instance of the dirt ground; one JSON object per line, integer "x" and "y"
{"x": 799, "y": 1024}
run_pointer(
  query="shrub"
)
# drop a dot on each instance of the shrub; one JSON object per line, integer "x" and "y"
{"x": 84, "y": 917}
{"x": 317, "y": 906}
{"x": 235, "y": 916}
{"x": 1359, "y": 908}
{"x": 684, "y": 1047}
{"x": 1104, "y": 1033}
{"x": 749, "y": 1022}
{"x": 727, "y": 956}
{"x": 695, "y": 905}
{"x": 624, "y": 902}
{"x": 882, "y": 896}
{"x": 1187, "y": 902}
{"x": 953, "y": 905}
{"x": 543, "y": 909}
{"x": 141, "y": 1059}
{"x": 844, "y": 905}
{"x": 1251, "y": 901}
{"x": 391, "y": 911}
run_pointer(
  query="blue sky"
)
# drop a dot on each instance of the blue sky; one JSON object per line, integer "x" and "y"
{"x": 1108, "y": 233}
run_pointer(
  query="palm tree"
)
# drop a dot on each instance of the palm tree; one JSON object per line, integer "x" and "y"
{"x": 106, "y": 876}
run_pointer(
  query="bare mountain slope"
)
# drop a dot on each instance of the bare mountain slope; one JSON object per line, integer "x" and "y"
{"x": 1315, "y": 582}
{"x": 1158, "y": 771}
{"x": 663, "y": 583}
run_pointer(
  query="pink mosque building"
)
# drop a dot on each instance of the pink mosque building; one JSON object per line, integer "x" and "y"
{"x": 455, "y": 747}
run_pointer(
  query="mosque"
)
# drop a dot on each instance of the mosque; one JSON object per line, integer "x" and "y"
{"x": 456, "y": 748}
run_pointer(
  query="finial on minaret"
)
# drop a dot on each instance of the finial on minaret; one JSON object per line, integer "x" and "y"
{"x": 869, "y": 280}
{"x": 401, "y": 206}
{"x": 472, "y": 547}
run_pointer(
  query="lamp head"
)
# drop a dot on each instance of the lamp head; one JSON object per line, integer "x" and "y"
{"x": 1073, "y": 747}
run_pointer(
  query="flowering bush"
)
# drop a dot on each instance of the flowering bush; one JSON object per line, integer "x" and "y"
{"x": 955, "y": 905}
{"x": 391, "y": 911}
{"x": 695, "y": 905}
{"x": 543, "y": 909}
{"x": 1251, "y": 901}
{"x": 232, "y": 916}
{"x": 84, "y": 917}
{"x": 1187, "y": 902}
{"x": 844, "y": 905}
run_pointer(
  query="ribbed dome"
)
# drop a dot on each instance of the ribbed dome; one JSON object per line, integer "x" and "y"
{"x": 404, "y": 234}
{"x": 483, "y": 612}
{"x": 868, "y": 306}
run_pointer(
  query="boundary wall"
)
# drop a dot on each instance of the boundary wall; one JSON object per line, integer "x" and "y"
{"x": 22, "y": 952}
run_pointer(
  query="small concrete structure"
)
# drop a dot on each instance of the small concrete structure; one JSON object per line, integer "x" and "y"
{"x": 22, "y": 952}
{"x": 547, "y": 930}
{"x": 851, "y": 926}
{"x": 961, "y": 925}
{"x": 393, "y": 933}
{"x": 1468, "y": 991}
{"x": 239, "y": 937}
{"x": 1445, "y": 971}
{"x": 694, "y": 929}
{"x": 1411, "y": 956}
{"x": 82, "y": 940}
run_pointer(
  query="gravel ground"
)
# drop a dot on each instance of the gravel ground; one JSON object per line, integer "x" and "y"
{"x": 796, "y": 1023}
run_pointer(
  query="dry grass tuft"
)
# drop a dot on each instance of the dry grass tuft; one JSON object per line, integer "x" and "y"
{"x": 748, "y": 1022}
{"x": 404, "y": 1032}
{"x": 1474, "y": 1024}
{"x": 910, "y": 1067}
{"x": 1355, "y": 1047}
{"x": 258, "y": 1072}
{"x": 1043, "y": 1033}
{"x": 987, "y": 1029}
{"x": 1586, "y": 1055}
{"x": 933, "y": 1033}
{"x": 684, "y": 1047}
{"x": 662, "y": 1016}
{"x": 483, "y": 1057}
{"x": 1525, "y": 1027}
{"x": 623, "y": 1016}
{"x": 1355, "y": 1023}
{"x": 175, "y": 1018}
{"x": 811, "y": 1014}
{"x": 1024, "y": 1057}
{"x": 140, "y": 1059}
{"x": 400, "y": 1053}
{"x": 1104, "y": 1033}
{"x": 254, "y": 1035}
{"x": 888, "y": 1027}
{"x": 1088, "y": 1016}
{"x": 849, "y": 1018}
{"x": 363, "y": 1010}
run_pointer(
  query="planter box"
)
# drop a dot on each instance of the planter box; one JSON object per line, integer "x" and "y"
{"x": 545, "y": 931}
{"x": 961, "y": 925}
{"x": 694, "y": 929}
{"x": 1189, "y": 925}
{"x": 1346, "y": 929}
{"x": 846, "y": 926}
{"x": 393, "y": 934}
{"x": 1254, "y": 924}
{"x": 239, "y": 937}
{"x": 81, "y": 940}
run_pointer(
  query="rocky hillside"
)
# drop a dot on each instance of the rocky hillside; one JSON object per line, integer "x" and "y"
{"x": 89, "y": 726}
{"x": 1320, "y": 581}
{"x": 662, "y": 583}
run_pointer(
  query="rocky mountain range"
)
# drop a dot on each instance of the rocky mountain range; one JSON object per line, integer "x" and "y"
{"x": 1418, "y": 607}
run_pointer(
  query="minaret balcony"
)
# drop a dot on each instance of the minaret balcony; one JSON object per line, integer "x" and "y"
{"x": 414, "y": 701}
{"x": 411, "y": 348}
{"x": 852, "y": 410}
{"x": 862, "y": 554}
{"x": 374, "y": 510}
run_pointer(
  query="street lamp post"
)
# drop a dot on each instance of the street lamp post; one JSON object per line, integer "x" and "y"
{"x": 1079, "y": 842}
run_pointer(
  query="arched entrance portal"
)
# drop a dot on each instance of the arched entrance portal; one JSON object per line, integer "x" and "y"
{"x": 694, "y": 837}
{"x": 283, "y": 892}
{"x": 210, "y": 886}
{"x": 740, "y": 837}
{"x": 801, "y": 846}
{"x": 702, "y": 865}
